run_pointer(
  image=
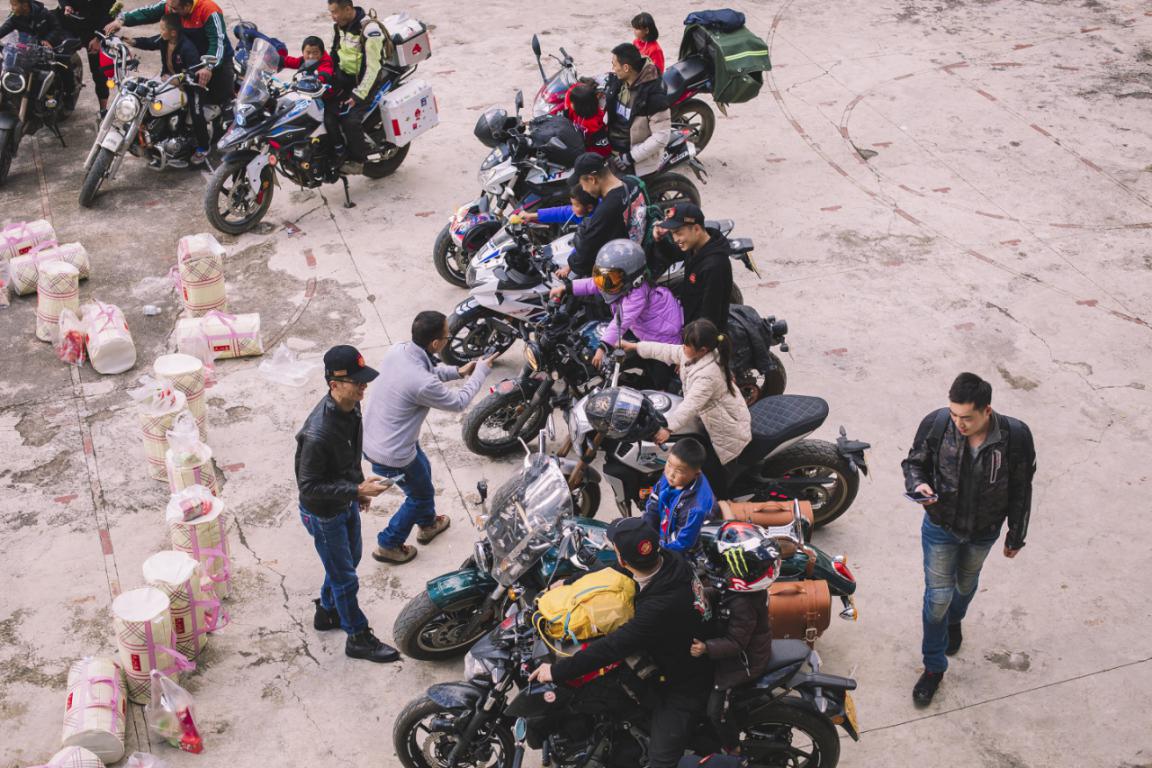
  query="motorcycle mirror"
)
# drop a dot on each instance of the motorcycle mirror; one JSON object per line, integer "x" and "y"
{"x": 519, "y": 101}
{"x": 536, "y": 46}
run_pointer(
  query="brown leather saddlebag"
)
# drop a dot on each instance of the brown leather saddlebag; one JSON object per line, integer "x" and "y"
{"x": 799, "y": 610}
{"x": 765, "y": 513}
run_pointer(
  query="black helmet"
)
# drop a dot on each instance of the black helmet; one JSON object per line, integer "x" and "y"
{"x": 621, "y": 413}
{"x": 749, "y": 558}
{"x": 493, "y": 126}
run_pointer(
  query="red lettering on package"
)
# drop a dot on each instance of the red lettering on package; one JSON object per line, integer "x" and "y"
{"x": 135, "y": 662}
{"x": 179, "y": 625}
{"x": 221, "y": 347}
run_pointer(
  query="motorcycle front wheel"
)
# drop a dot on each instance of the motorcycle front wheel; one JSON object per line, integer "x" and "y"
{"x": 783, "y": 735}
{"x": 393, "y": 158}
{"x": 230, "y": 202}
{"x": 472, "y": 335}
{"x": 425, "y": 734}
{"x": 669, "y": 188}
{"x": 695, "y": 116}
{"x": 427, "y": 632}
{"x": 488, "y": 424}
{"x": 96, "y": 175}
{"x": 451, "y": 261}
{"x": 834, "y": 481}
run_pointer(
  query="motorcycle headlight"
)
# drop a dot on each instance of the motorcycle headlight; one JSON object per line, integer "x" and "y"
{"x": 475, "y": 667}
{"x": 534, "y": 355}
{"x": 578, "y": 424}
{"x": 126, "y": 108}
{"x": 494, "y": 179}
{"x": 482, "y": 555}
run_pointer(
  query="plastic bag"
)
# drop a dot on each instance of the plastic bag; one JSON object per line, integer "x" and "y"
{"x": 285, "y": 367}
{"x": 192, "y": 502}
{"x": 71, "y": 338}
{"x": 171, "y": 715}
{"x": 184, "y": 440}
{"x": 154, "y": 397}
{"x": 144, "y": 760}
{"x": 197, "y": 346}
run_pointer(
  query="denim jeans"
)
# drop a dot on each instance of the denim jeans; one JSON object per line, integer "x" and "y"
{"x": 952, "y": 566}
{"x": 419, "y": 507}
{"x": 339, "y": 544}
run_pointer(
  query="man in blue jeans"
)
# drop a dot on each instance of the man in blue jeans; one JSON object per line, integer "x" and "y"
{"x": 333, "y": 490}
{"x": 411, "y": 385}
{"x": 972, "y": 470}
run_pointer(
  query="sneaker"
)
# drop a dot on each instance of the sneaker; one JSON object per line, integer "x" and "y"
{"x": 395, "y": 555}
{"x": 427, "y": 533}
{"x": 199, "y": 156}
{"x": 955, "y": 638}
{"x": 325, "y": 619}
{"x": 365, "y": 645}
{"x": 352, "y": 168}
{"x": 925, "y": 688}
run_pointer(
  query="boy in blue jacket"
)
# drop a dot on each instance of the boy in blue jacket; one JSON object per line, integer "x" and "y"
{"x": 581, "y": 206}
{"x": 682, "y": 501}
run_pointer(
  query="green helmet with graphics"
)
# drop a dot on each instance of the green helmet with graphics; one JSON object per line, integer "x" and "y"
{"x": 749, "y": 558}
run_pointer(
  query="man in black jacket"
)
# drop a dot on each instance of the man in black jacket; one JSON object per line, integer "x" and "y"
{"x": 973, "y": 469}
{"x": 81, "y": 19}
{"x": 707, "y": 288}
{"x": 31, "y": 18}
{"x": 669, "y": 614}
{"x": 333, "y": 490}
{"x": 621, "y": 213}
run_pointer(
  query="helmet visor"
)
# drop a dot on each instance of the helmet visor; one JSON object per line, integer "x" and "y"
{"x": 609, "y": 280}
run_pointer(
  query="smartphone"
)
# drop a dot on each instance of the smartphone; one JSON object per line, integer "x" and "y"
{"x": 919, "y": 498}
{"x": 388, "y": 482}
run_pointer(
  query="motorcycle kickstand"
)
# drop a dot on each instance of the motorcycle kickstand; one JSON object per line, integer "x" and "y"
{"x": 347, "y": 197}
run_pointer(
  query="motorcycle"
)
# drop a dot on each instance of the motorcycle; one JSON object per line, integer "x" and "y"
{"x": 779, "y": 464}
{"x": 279, "y": 127}
{"x": 33, "y": 92}
{"x": 518, "y": 175}
{"x": 146, "y": 119}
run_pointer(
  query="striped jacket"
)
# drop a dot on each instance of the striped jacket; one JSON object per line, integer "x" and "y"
{"x": 204, "y": 27}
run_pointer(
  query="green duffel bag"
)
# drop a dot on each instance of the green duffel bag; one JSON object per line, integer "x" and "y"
{"x": 739, "y": 59}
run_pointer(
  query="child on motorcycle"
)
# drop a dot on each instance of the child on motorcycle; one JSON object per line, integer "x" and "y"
{"x": 710, "y": 394}
{"x": 315, "y": 59}
{"x": 581, "y": 205}
{"x": 582, "y": 107}
{"x": 682, "y": 501}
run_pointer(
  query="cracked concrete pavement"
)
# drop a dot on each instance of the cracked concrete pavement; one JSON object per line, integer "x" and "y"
{"x": 932, "y": 187}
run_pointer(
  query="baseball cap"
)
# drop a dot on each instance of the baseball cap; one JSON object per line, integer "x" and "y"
{"x": 638, "y": 542}
{"x": 588, "y": 163}
{"x": 346, "y": 362}
{"x": 679, "y": 215}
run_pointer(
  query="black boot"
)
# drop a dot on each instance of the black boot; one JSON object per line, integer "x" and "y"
{"x": 325, "y": 619}
{"x": 955, "y": 638}
{"x": 925, "y": 688}
{"x": 365, "y": 645}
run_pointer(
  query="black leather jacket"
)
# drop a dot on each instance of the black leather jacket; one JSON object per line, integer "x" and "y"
{"x": 976, "y": 493}
{"x": 328, "y": 448}
{"x": 41, "y": 24}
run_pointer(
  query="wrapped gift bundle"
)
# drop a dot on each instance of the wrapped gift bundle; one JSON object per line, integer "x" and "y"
{"x": 205, "y": 538}
{"x": 26, "y": 268}
{"x": 195, "y": 610}
{"x": 96, "y": 713}
{"x": 227, "y": 335}
{"x": 200, "y": 262}
{"x": 188, "y": 460}
{"x": 185, "y": 373}
{"x": 110, "y": 346}
{"x": 20, "y": 238}
{"x": 58, "y": 289}
{"x": 143, "y": 625}
{"x": 159, "y": 407}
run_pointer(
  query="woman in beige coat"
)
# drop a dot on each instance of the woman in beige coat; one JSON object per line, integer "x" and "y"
{"x": 710, "y": 394}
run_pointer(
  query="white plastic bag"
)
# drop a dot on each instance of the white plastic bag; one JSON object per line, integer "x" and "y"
{"x": 171, "y": 714}
{"x": 197, "y": 346}
{"x": 144, "y": 760}
{"x": 184, "y": 440}
{"x": 192, "y": 502}
{"x": 155, "y": 397}
{"x": 71, "y": 338}
{"x": 285, "y": 367}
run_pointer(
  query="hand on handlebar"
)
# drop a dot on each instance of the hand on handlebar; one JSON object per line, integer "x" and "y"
{"x": 557, "y": 293}
{"x": 661, "y": 436}
{"x": 203, "y": 76}
{"x": 598, "y": 358}
{"x": 113, "y": 27}
{"x": 542, "y": 674}
{"x": 563, "y": 272}
{"x": 93, "y": 46}
{"x": 629, "y": 346}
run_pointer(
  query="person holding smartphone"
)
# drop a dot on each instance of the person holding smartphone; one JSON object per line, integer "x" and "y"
{"x": 333, "y": 491}
{"x": 971, "y": 469}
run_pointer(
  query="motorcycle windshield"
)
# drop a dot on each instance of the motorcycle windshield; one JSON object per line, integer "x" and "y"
{"x": 263, "y": 59}
{"x": 22, "y": 54}
{"x": 523, "y": 519}
{"x": 550, "y": 98}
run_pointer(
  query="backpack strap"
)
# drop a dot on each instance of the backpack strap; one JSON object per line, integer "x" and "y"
{"x": 936, "y": 434}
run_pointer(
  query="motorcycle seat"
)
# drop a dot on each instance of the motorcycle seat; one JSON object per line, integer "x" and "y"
{"x": 780, "y": 418}
{"x": 785, "y": 653}
{"x": 724, "y": 225}
{"x": 682, "y": 74}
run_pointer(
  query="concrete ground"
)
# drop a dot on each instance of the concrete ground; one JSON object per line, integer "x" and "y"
{"x": 933, "y": 187}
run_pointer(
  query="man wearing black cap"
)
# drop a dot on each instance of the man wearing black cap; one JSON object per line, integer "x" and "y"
{"x": 332, "y": 491}
{"x": 707, "y": 288}
{"x": 620, "y": 203}
{"x": 669, "y": 609}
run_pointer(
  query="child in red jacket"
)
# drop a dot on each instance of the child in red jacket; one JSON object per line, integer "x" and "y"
{"x": 314, "y": 58}
{"x": 644, "y": 27}
{"x": 582, "y": 107}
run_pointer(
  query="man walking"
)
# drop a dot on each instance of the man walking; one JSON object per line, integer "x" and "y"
{"x": 412, "y": 384}
{"x": 332, "y": 492}
{"x": 973, "y": 469}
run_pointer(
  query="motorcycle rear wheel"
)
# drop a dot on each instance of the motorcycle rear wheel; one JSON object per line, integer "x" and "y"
{"x": 419, "y": 746}
{"x": 96, "y": 175}
{"x": 451, "y": 261}
{"x": 770, "y": 738}
{"x": 487, "y": 424}
{"x": 818, "y": 460}
{"x": 427, "y": 632}
{"x": 389, "y": 164}
{"x": 6, "y": 153}
{"x": 229, "y": 184}
{"x": 669, "y": 188}
{"x": 696, "y": 116}
{"x": 472, "y": 334}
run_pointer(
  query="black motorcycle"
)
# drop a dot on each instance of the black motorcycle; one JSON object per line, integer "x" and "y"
{"x": 788, "y": 717}
{"x": 36, "y": 91}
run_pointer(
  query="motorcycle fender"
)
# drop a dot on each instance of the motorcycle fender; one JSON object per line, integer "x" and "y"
{"x": 456, "y": 695}
{"x": 567, "y": 465}
{"x": 460, "y": 585}
{"x": 853, "y": 451}
{"x": 527, "y": 384}
{"x": 256, "y": 168}
{"x": 8, "y": 121}
{"x": 834, "y": 690}
{"x": 112, "y": 140}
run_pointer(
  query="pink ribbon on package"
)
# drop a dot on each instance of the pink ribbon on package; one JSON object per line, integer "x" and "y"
{"x": 15, "y": 233}
{"x": 113, "y": 705}
{"x": 180, "y": 662}
{"x": 108, "y": 313}
{"x": 212, "y": 553}
{"x": 232, "y": 336}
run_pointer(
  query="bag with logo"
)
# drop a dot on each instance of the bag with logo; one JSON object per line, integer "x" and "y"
{"x": 592, "y": 606}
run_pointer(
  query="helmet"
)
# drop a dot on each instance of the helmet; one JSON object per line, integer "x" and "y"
{"x": 493, "y": 126}
{"x": 749, "y": 557}
{"x": 620, "y": 266}
{"x": 621, "y": 413}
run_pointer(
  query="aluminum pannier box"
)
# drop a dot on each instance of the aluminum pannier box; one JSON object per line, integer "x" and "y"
{"x": 409, "y": 111}
{"x": 409, "y": 40}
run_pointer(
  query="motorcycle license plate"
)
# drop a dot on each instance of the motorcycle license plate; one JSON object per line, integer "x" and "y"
{"x": 850, "y": 711}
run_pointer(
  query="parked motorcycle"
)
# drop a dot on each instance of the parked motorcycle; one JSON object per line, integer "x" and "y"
{"x": 780, "y": 463}
{"x": 35, "y": 92}
{"x": 146, "y": 118}
{"x": 279, "y": 126}
{"x": 521, "y": 174}
{"x": 786, "y": 717}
